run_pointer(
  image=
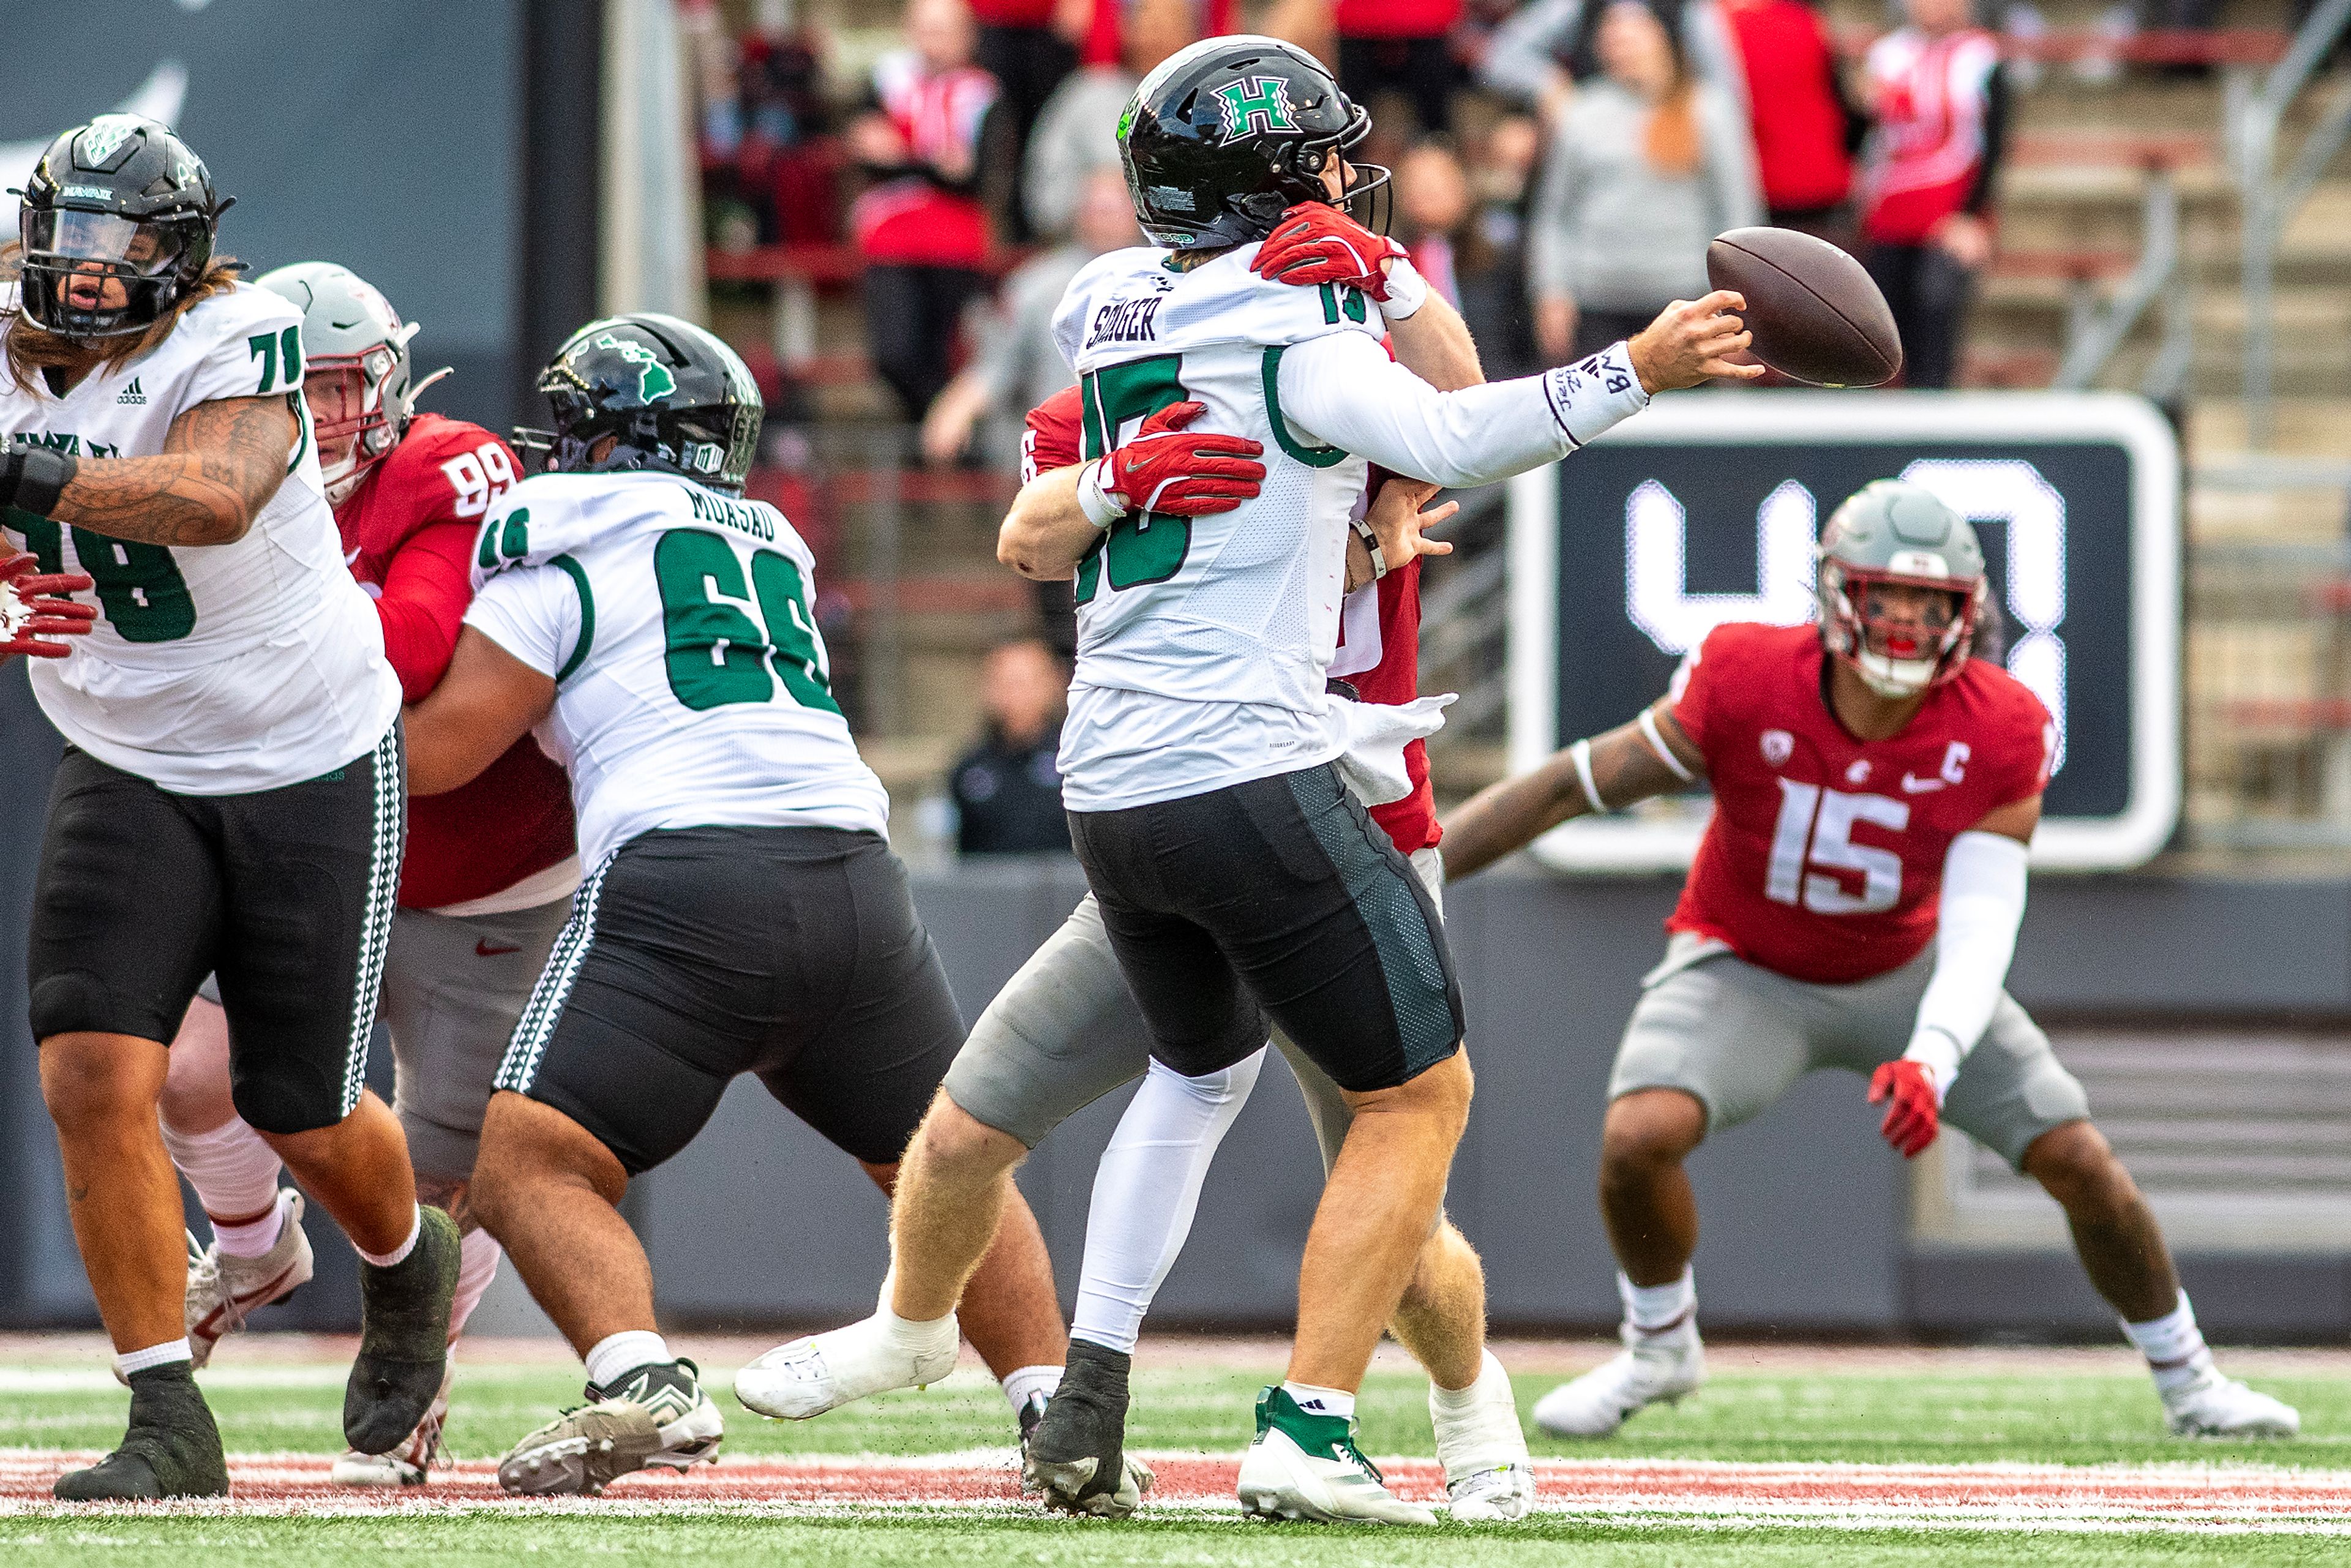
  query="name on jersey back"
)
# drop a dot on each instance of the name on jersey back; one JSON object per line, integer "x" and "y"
{"x": 1125, "y": 321}
{"x": 756, "y": 518}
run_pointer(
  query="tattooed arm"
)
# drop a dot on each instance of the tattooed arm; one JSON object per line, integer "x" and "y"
{"x": 220, "y": 465}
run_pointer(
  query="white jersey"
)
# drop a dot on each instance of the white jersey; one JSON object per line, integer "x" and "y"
{"x": 212, "y": 669}
{"x": 1202, "y": 641}
{"x": 691, "y": 687}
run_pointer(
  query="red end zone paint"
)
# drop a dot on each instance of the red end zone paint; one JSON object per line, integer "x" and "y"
{"x": 1983, "y": 1497}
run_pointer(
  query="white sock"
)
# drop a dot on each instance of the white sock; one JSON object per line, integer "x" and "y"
{"x": 153, "y": 1356}
{"x": 1027, "y": 1380}
{"x": 617, "y": 1355}
{"x": 1655, "y": 1311}
{"x": 253, "y": 1238}
{"x": 399, "y": 1253}
{"x": 1456, "y": 1401}
{"x": 235, "y": 1172}
{"x": 477, "y": 1265}
{"x": 2173, "y": 1346}
{"x": 1146, "y": 1190}
{"x": 1316, "y": 1400}
{"x": 918, "y": 1336}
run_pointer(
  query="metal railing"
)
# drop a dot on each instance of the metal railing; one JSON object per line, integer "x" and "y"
{"x": 2096, "y": 331}
{"x": 2256, "y": 117}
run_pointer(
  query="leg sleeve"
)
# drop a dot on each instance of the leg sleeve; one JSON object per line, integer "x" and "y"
{"x": 1147, "y": 1191}
{"x": 1061, "y": 1033}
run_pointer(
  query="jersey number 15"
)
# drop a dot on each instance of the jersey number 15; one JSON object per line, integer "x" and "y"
{"x": 1815, "y": 828}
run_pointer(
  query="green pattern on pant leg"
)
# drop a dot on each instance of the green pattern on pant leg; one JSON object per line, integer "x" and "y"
{"x": 1381, "y": 885}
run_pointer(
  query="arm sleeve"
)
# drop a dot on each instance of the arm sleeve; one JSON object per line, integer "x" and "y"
{"x": 1975, "y": 939}
{"x": 422, "y": 606}
{"x": 533, "y": 612}
{"x": 1343, "y": 389}
{"x": 1524, "y": 50}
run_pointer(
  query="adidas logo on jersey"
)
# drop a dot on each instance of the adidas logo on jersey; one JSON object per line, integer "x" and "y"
{"x": 132, "y": 396}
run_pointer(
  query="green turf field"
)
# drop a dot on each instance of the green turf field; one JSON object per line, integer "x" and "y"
{"x": 1871, "y": 1417}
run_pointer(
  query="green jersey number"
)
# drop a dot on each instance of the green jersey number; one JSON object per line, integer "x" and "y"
{"x": 139, "y": 585}
{"x": 1142, "y": 547}
{"x": 725, "y": 635}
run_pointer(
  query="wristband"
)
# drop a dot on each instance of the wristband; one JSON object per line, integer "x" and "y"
{"x": 1408, "y": 291}
{"x": 33, "y": 479}
{"x": 1594, "y": 393}
{"x": 1581, "y": 755}
{"x": 1101, "y": 507}
{"x": 1371, "y": 546}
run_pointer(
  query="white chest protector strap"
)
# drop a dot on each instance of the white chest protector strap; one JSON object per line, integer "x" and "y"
{"x": 1975, "y": 938}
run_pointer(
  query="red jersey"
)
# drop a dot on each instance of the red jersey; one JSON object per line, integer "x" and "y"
{"x": 1397, "y": 19}
{"x": 1379, "y": 628}
{"x": 1934, "y": 108}
{"x": 408, "y": 535}
{"x": 1824, "y": 859}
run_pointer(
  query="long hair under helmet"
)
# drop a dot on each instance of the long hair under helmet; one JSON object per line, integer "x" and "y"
{"x": 1224, "y": 136}
{"x": 1892, "y": 531}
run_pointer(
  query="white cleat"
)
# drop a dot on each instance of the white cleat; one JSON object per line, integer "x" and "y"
{"x": 223, "y": 1289}
{"x": 823, "y": 1372}
{"x": 654, "y": 1415}
{"x": 1488, "y": 1475}
{"x": 409, "y": 1465}
{"x": 1645, "y": 1373}
{"x": 2218, "y": 1406}
{"x": 1306, "y": 1466}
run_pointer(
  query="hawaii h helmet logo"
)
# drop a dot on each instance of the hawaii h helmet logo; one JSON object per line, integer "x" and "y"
{"x": 1256, "y": 106}
{"x": 653, "y": 380}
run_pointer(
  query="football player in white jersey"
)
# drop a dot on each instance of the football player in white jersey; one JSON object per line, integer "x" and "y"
{"x": 1237, "y": 875}
{"x": 744, "y": 912}
{"x": 231, "y": 796}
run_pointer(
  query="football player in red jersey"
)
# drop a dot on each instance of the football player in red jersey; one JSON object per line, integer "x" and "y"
{"x": 490, "y": 871}
{"x": 1855, "y": 903}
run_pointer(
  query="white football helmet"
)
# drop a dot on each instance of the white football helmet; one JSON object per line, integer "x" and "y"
{"x": 1891, "y": 531}
{"x": 348, "y": 326}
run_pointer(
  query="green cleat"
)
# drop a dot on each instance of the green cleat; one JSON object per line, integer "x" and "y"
{"x": 404, "y": 1339}
{"x": 172, "y": 1449}
{"x": 1305, "y": 1465}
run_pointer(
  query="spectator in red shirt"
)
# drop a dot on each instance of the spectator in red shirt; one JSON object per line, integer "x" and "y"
{"x": 1401, "y": 46}
{"x": 920, "y": 227}
{"x": 1798, "y": 110}
{"x": 1941, "y": 105}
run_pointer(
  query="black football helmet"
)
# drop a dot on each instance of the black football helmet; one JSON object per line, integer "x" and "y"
{"x": 678, "y": 399}
{"x": 1227, "y": 135}
{"x": 123, "y": 200}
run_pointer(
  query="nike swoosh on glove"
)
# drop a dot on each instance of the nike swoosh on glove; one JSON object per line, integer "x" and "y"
{"x": 1185, "y": 474}
{"x": 28, "y": 614}
{"x": 1315, "y": 244}
{"x": 1914, "y": 1111}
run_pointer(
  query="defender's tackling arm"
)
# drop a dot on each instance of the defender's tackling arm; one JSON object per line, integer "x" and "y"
{"x": 1651, "y": 755}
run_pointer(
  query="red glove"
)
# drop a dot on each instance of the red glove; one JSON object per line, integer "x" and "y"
{"x": 1184, "y": 474}
{"x": 1315, "y": 244}
{"x": 28, "y": 614}
{"x": 1915, "y": 1110}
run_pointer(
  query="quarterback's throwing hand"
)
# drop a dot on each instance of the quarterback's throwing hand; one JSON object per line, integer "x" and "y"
{"x": 1186, "y": 474}
{"x": 1915, "y": 1110}
{"x": 28, "y": 614}
{"x": 1691, "y": 343}
{"x": 1316, "y": 244}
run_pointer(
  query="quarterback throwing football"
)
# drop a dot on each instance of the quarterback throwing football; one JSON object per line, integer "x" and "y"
{"x": 1855, "y": 903}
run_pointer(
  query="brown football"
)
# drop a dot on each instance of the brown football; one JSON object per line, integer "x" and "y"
{"x": 1816, "y": 314}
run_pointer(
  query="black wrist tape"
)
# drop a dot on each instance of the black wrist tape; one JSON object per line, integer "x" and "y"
{"x": 33, "y": 479}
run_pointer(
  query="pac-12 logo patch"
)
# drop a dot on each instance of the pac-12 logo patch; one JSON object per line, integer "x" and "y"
{"x": 1778, "y": 746}
{"x": 1256, "y": 105}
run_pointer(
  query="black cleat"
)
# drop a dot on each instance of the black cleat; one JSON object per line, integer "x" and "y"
{"x": 172, "y": 1449}
{"x": 404, "y": 1339}
{"x": 1076, "y": 1455}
